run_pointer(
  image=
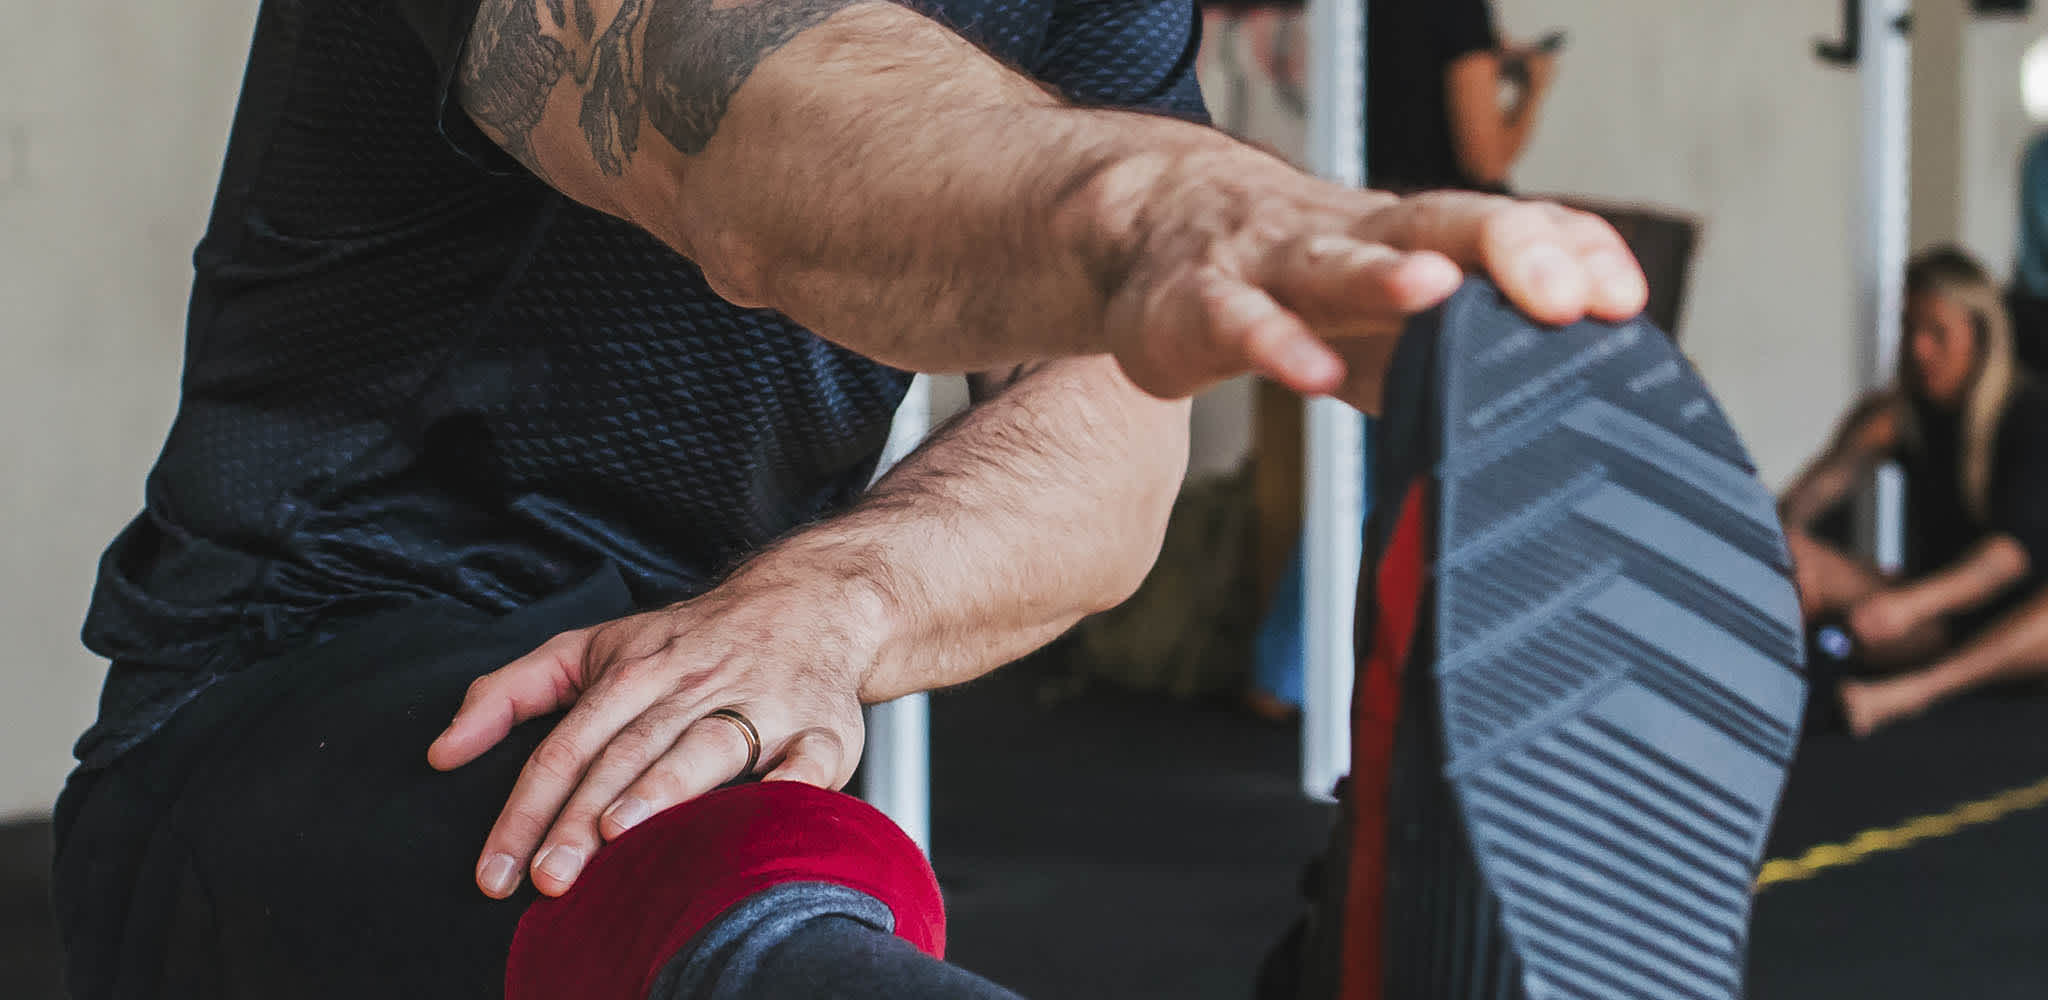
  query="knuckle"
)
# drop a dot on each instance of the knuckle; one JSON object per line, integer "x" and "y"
{"x": 1266, "y": 231}
{"x": 630, "y": 670}
{"x": 664, "y": 783}
{"x": 519, "y": 828}
{"x": 821, "y": 741}
{"x": 639, "y": 741}
{"x": 577, "y": 826}
{"x": 565, "y": 643}
{"x": 557, "y": 758}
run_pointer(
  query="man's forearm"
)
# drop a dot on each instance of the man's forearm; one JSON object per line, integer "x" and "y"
{"x": 892, "y": 187}
{"x": 854, "y": 165}
{"x": 1040, "y": 506}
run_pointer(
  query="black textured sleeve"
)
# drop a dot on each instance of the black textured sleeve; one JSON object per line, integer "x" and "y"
{"x": 1137, "y": 54}
{"x": 443, "y": 27}
{"x": 1462, "y": 27}
{"x": 2019, "y": 478}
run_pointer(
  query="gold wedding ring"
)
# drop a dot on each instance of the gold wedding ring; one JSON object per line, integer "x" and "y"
{"x": 746, "y": 728}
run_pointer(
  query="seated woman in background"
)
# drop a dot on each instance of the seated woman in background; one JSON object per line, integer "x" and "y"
{"x": 1971, "y": 432}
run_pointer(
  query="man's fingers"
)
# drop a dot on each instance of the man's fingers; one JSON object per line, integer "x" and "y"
{"x": 1556, "y": 264}
{"x": 709, "y": 753}
{"x": 818, "y": 757}
{"x": 1617, "y": 288}
{"x": 550, "y": 776}
{"x": 1452, "y": 223}
{"x": 1339, "y": 280}
{"x": 1246, "y": 325}
{"x": 534, "y": 685}
{"x": 1207, "y": 326}
{"x": 576, "y": 833}
{"x": 1529, "y": 255}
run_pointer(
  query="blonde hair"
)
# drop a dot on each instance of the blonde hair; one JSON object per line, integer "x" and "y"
{"x": 1953, "y": 275}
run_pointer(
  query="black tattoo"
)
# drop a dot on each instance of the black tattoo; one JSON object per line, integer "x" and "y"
{"x": 611, "y": 98}
{"x": 699, "y": 53}
{"x": 690, "y": 57}
{"x": 508, "y": 71}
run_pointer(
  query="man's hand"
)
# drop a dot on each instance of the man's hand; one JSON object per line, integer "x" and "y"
{"x": 1238, "y": 266}
{"x": 1063, "y": 478}
{"x": 637, "y": 740}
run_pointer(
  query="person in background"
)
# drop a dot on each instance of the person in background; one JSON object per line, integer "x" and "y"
{"x": 2030, "y": 270}
{"x": 1436, "y": 71}
{"x": 1971, "y": 431}
{"x": 2027, "y": 299}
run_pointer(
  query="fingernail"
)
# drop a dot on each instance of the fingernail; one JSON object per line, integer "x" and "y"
{"x": 498, "y": 873}
{"x": 560, "y": 862}
{"x": 627, "y": 813}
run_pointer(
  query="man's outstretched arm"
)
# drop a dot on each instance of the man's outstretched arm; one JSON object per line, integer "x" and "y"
{"x": 887, "y": 184}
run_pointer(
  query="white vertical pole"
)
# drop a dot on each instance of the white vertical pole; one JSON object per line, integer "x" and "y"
{"x": 898, "y": 771}
{"x": 1881, "y": 264}
{"x": 897, "y": 765}
{"x": 1335, "y": 498}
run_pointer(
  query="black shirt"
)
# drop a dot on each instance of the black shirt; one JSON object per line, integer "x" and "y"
{"x": 414, "y": 372}
{"x": 1410, "y": 46}
{"x": 1940, "y": 528}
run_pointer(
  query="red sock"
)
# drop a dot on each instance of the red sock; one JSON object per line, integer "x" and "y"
{"x": 647, "y": 894}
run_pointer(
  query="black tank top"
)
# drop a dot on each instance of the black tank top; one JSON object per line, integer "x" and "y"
{"x": 1940, "y": 527}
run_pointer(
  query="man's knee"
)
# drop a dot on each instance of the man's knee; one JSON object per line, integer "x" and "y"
{"x": 649, "y": 893}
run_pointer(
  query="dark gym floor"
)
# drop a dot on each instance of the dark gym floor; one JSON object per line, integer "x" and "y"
{"x": 1119, "y": 847}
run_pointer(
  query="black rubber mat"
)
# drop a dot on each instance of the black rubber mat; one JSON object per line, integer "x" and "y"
{"x": 1617, "y": 654}
{"x": 1957, "y": 914}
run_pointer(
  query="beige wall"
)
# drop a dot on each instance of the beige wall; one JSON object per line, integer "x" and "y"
{"x": 1939, "y": 30}
{"x": 111, "y": 130}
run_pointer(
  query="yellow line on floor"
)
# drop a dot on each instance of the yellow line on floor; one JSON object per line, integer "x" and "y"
{"x": 1879, "y": 841}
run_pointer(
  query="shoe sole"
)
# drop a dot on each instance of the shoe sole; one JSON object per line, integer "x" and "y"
{"x": 1615, "y": 687}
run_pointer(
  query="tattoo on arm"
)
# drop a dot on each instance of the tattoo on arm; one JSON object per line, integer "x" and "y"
{"x": 508, "y": 72}
{"x": 675, "y": 62}
{"x": 611, "y": 98}
{"x": 708, "y": 51}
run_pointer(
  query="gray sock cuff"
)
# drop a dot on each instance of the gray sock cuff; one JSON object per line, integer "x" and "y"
{"x": 729, "y": 952}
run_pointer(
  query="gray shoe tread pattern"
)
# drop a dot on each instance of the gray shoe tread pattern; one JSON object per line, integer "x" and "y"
{"x": 1619, "y": 653}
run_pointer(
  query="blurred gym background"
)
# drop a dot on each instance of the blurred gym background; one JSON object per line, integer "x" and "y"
{"x": 1109, "y": 819}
